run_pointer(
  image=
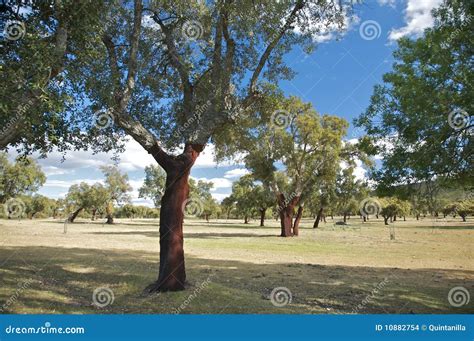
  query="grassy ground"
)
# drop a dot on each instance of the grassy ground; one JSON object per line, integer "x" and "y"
{"x": 233, "y": 268}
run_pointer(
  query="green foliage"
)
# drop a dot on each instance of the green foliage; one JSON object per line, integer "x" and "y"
{"x": 135, "y": 211}
{"x": 24, "y": 176}
{"x": 116, "y": 184}
{"x": 291, "y": 156}
{"x": 154, "y": 184}
{"x": 40, "y": 102}
{"x": 420, "y": 119}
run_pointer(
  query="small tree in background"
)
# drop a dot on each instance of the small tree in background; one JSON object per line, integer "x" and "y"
{"x": 117, "y": 187}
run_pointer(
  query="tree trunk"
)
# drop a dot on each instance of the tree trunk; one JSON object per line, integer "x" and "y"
{"x": 172, "y": 274}
{"x": 286, "y": 214}
{"x": 94, "y": 211}
{"x": 73, "y": 216}
{"x": 345, "y": 217}
{"x": 246, "y": 220}
{"x": 296, "y": 224}
{"x": 386, "y": 220}
{"x": 262, "y": 216}
{"x": 463, "y": 217}
{"x": 109, "y": 215}
{"x": 417, "y": 217}
{"x": 318, "y": 218}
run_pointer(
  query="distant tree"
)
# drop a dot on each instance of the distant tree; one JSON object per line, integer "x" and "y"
{"x": 118, "y": 187}
{"x": 393, "y": 207}
{"x": 24, "y": 176}
{"x": 349, "y": 192}
{"x": 154, "y": 184}
{"x": 465, "y": 208}
{"x": 98, "y": 199}
{"x": 228, "y": 205}
{"x": 78, "y": 199}
{"x": 263, "y": 199}
{"x": 200, "y": 192}
{"x": 322, "y": 200}
{"x": 39, "y": 203}
{"x": 242, "y": 194}
{"x": 291, "y": 149}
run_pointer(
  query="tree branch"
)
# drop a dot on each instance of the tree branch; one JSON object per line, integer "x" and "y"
{"x": 263, "y": 59}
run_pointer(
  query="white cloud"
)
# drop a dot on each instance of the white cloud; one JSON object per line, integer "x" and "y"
{"x": 236, "y": 173}
{"x": 326, "y": 29}
{"x": 359, "y": 170}
{"x": 69, "y": 183}
{"x": 219, "y": 196}
{"x": 417, "y": 17}
{"x": 390, "y": 3}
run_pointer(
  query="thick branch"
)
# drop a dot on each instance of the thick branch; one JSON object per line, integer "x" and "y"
{"x": 266, "y": 54}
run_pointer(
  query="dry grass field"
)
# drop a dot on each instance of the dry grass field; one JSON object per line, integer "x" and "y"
{"x": 233, "y": 268}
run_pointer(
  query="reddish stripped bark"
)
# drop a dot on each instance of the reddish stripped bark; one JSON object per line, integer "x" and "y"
{"x": 286, "y": 214}
{"x": 172, "y": 274}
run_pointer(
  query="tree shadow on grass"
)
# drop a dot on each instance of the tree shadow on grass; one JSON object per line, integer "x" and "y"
{"x": 62, "y": 280}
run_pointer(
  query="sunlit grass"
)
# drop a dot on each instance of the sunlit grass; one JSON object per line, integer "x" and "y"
{"x": 233, "y": 267}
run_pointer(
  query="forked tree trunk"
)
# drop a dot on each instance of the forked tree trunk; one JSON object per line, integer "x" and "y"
{"x": 172, "y": 274}
{"x": 73, "y": 216}
{"x": 386, "y": 220}
{"x": 286, "y": 214}
{"x": 296, "y": 224}
{"x": 318, "y": 218}
{"x": 262, "y": 216}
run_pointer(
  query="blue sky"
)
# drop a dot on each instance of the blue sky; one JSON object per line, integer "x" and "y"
{"x": 338, "y": 78}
